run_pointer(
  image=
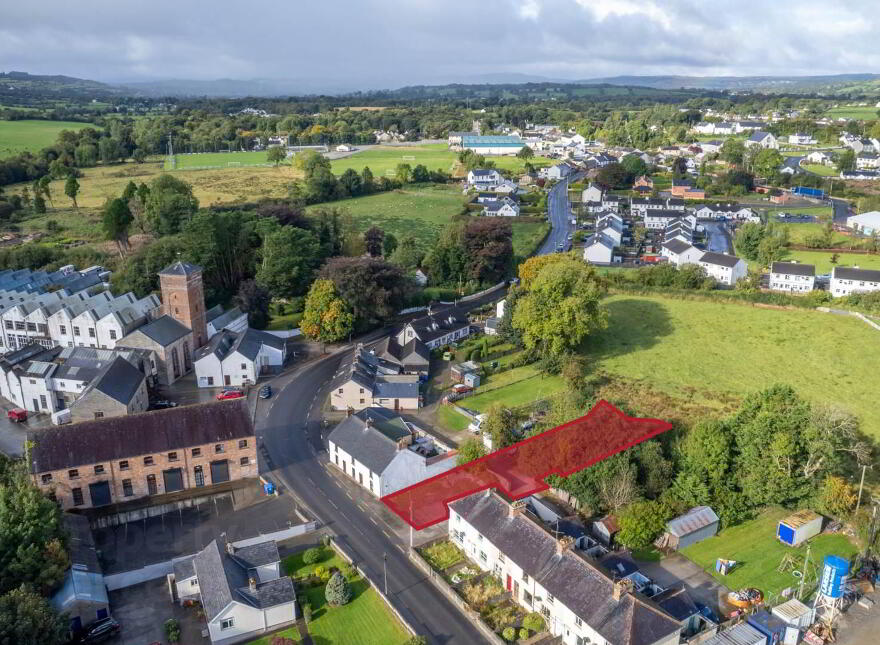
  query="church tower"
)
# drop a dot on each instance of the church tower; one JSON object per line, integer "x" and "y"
{"x": 183, "y": 298}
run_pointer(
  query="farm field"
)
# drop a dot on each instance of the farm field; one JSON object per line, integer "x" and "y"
{"x": 704, "y": 351}
{"x": 201, "y": 160}
{"x": 857, "y": 112}
{"x": 33, "y": 136}
{"x": 755, "y": 546}
{"x": 819, "y": 169}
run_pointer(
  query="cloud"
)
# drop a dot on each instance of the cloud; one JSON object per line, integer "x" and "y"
{"x": 390, "y": 43}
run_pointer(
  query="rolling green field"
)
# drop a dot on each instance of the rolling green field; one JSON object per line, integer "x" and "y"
{"x": 754, "y": 545}
{"x": 202, "y": 160}
{"x": 857, "y": 112}
{"x": 33, "y": 136}
{"x": 699, "y": 350}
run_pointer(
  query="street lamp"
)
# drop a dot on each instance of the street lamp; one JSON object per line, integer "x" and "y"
{"x": 385, "y": 571}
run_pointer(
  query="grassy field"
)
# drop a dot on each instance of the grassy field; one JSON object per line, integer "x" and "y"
{"x": 513, "y": 388}
{"x": 366, "y": 620}
{"x": 704, "y": 351}
{"x": 18, "y": 136}
{"x": 819, "y": 169}
{"x": 857, "y": 112}
{"x": 822, "y": 260}
{"x": 448, "y": 418}
{"x": 815, "y": 211}
{"x": 799, "y": 232}
{"x": 754, "y": 545}
{"x": 203, "y": 160}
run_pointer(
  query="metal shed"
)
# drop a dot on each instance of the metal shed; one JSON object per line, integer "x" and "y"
{"x": 472, "y": 379}
{"x": 799, "y": 527}
{"x": 795, "y": 613}
{"x": 742, "y": 634}
{"x": 697, "y": 524}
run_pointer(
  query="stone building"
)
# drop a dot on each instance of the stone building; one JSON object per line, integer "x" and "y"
{"x": 119, "y": 389}
{"x": 110, "y": 461}
{"x": 170, "y": 341}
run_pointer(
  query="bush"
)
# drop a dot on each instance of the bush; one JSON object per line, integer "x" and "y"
{"x": 282, "y": 640}
{"x": 325, "y": 540}
{"x": 476, "y": 354}
{"x": 509, "y": 634}
{"x": 311, "y": 556}
{"x": 172, "y": 630}
{"x": 523, "y": 634}
{"x": 337, "y": 592}
{"x": 307, "y": 612}
{"x": 534, "y": 622}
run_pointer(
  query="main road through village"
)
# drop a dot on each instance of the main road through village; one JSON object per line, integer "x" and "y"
{"x": 290, "y": 425}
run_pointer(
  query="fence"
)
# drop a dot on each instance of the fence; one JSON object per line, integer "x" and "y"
{"x": 472, "y": 615}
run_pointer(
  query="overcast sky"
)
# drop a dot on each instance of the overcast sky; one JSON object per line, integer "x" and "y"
{"x": 390, "y": 43}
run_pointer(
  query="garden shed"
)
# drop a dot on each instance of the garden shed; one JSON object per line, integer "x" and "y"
{"x": 795, "y": 613}
{"x": 799, "y": 527}
{"x": 458, "y": 371}
{"x": 472, "y": 379}
{"x": 697, "y": 524}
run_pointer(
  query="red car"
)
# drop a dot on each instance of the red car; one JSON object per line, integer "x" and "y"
{"x": 17, "y": 415}
{"x": 229, "y": 394}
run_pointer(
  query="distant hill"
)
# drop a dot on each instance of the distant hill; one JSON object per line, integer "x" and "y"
{"x": 771, "y": 84}
{"x": 22, "y": 84}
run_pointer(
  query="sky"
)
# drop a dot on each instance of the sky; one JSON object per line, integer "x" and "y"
{"x": 391, "y": 43}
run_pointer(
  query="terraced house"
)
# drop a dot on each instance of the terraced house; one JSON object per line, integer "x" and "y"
{"x": 111, "y": 461}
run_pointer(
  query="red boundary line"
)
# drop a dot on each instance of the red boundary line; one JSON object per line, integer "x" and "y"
{"x": 662, "y": 426}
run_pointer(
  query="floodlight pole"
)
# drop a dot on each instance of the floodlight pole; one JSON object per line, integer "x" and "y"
{"x": 804, "y": 573}
{"x": 861, "y": 486}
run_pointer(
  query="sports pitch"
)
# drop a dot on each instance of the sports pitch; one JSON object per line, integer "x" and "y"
{"x": 204, "y": 160}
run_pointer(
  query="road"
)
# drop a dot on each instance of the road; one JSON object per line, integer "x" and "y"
{"x": 290, "y": 432}
{"x": 717, "y": 237}
{"x": 559, "y": 212}
{"x": 841, "y": 210}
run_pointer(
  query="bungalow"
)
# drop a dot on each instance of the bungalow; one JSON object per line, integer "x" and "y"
{"x": 379, "y": 451}
{"x": 726, "y": 269}
{"x": 801, "y": 139}
{"x": 791, "y": 166}
{"x": 506, "y": 187}
{"x": 748, "y": 126}
{"x": 866, "y": 223}
{"x": 549, "y": 575}
{"x": 860, "y": 145}
{"x": 711, "y": 147}
{"x": 727, "y": 211}
{"x": 762, "y": 139}
{"x": 501, "y": 208}
{"x": 704, "y": 127}
{"x": 792, "y": 277}
{"x": 602, "y": 159}
{"x": 437, "y": 328}
{"x": 344, "y": 147}
{"x": 679, "y": 252}
{"x": 724, "y": 128}
{"x": 860, "y": 175}
{"x": 483, "y": 178}
{"x": 599, "y": 249}
{"x": 847, "y": 280}
{"x": 819, "y": 157}
{"x": 659, "y": 218}
{"x": 240, "y": 587}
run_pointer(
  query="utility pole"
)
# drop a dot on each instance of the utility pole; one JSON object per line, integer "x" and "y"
{"x": 861, "y": 486}
{"x": 385, "y": 571}
{"x": 804, "y": 573}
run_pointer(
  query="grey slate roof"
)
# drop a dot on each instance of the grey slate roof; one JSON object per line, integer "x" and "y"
{"x": 120, "y": 380}
{"x": 677, "y": 602}
{"x": 212, "y": 313}
{"x": 439, "y": 323}
{"x": 81, "y": 544}
{"x": 183, "y": 567}
{"x": 758, "y": 136}
{"x": 572, "y": 579}
{"x": 256, "y": 555}
{"x": 180, "y": 268}
{"x": 391, "y": 387}
{"x": 677, "y": 246}
{"x": 225, "y": 317}
{"x": 602, "y": 239}
{"x": 850, "y": 273}
{"x": 413, "y": 354}
{"x": 372, "y": 445}
{"x": 164, "y": 330}
{"x": 721, "y": 259}
{"x": 103, "y": 440}
{"x": 793, "y": 268}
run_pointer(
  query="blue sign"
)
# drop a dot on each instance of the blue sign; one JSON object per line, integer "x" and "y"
{"x": 833, "y": 576}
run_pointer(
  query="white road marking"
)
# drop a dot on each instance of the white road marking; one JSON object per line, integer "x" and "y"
{"x": 332, "y": 503}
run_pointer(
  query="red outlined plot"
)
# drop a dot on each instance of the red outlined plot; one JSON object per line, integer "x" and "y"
{"x": 519, "y": 470}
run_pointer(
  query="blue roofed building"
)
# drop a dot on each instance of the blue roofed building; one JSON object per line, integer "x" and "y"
{"x": 492, "y": 144}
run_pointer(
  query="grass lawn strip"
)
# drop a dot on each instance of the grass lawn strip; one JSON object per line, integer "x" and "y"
{"x": 291, "y": 633}
{"x": 754, "y": 546}
{"x": 236, "y": 158}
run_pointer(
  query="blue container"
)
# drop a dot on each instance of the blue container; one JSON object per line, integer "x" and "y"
{"x": 772, "y": 627}
{"x": 785, "y": 533}
{"x": 809, "y": 192}
{"x": 833, "y": 576}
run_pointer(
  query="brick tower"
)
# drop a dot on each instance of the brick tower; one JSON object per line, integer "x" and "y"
{"x": 183, "y": 298}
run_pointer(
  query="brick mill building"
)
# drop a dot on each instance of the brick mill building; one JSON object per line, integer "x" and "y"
{"x": 183, "y": 298}
{"x": 111, "y": 461}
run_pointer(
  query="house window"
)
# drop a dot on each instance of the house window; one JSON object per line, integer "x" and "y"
{"x": 196, "y": 452}
{"x": 148, "y": 461}
{"x": 172, "y": 456}
{"x": 127, "y": 489}
{"x": 77, "y": 496}
{"x": 545, "y": 612}
{"x": 578, "y": 621}
{"x": 243, "y": 366}
{"x": 340, "y": 391}
{"x": 99, "y": 414}
{"x": 46, "y": 478}
{"x": 550, "y": 598}
{"x": 112, "y": 334}
{"x": 31, "y": 327}
{"x": 227, "y": 623}
{"x": 91, "y": 332}
{"x": 62, "y": 329}
{"x": 152, "y": 489}
{"x": 527, "y": 597}
{"x": 99, "y": 469}
{"x": 199, "y": 475}
{"x": 73, "y": 473}
{"x": 194, "y": 583}
{"x": 244, "y": 461}
{"x": 242, "y": 443}
{"x": 210, "y": 380}
{"x": 9, "y": 324}
{"x": 362, "y": 400}
{"x": 361, "y": 391}
{"x": 20, "y": 325}
{"x": 75, "y": 330}
{"x": 483, "y": 556}
{"x": 43, "y": 401}
{"x": 218, "y": 447}
{"x": 123, "y": 465}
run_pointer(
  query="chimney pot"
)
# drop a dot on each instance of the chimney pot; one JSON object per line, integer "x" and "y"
{"x": 517, "y": 507}
{"x": 252, "y": 584}
{"x": 621, "y": 588}
{"x": 563, "y": 544}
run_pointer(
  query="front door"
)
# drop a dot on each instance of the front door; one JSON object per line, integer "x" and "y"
{"x": 361, "y": 479}
{"x": 36, "y": 405}
{"x": 226, "y": 380}
{"x": 509, "y": 583}
{"x": 396, "y": 404}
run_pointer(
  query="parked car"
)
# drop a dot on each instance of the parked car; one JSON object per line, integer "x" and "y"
{"x": 17, "y": 415}
{"x": 229, "y": 394}
{"x": 98, "y": 631}
{"x": 162, "y": 405}
{"x": 265, "y": 391}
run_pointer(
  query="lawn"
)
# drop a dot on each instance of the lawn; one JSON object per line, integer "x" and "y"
{"x": 706, "y": 351}
{"x": 856, "y": 112}
{"x": 514, "y": 388}
{"x": 366, "y": 620}
{"x": 815, "y": 211}
{"x": 798, "y": 233}
{"x": 284, "y": 322}
{"x": 819, "y": 169}
{"x": 527, "y": 236}
{"x": 448, "y": 418}
{"x": 33, "y": 136}
{"x": 822, "y": 260}
{"x": 291, "y": 633}
{"x": 202, "y": 160}
{"x": 754, "y": 546}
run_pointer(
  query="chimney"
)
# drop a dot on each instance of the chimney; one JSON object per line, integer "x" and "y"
{"x": 621, "y": 588}
{"x": 252, "y": 585}
{"x": 563, "y": 544}
{"x": 517, "y": 507}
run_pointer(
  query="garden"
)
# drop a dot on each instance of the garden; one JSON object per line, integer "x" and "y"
{"x": 357, "y": 613}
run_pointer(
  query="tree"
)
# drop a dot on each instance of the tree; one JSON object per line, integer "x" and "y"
{"x": 351, "y": 182}
{"x": 614, "y": 176}
{"x": 420, "y": 174}
{"x": 337, "y": 592}
{"x": 748, "y": 239}
{"x": 276, "y": 155}
{"x": 139, "y": 155}
{"x": 771, "y": 249}
{"x": 389, "y": 245}
{"x": 27, "y": 619}
{"x": 641, "y": 523}
{"x": 116, "y": 220}
{"x": 253, "y": 300}
{"x": 525, "y": 153}
{"x": 130, "y": 191}
{"x": 408, "y": 254}
{"x": 562, "y": 306}
{"x": 169, "y": 203}
{"x": 634, "y": 165}
{"x": 373, "y": 240}
{"x": 367, "y": 183}
{"x": 767, "y": 162}
{"x": 733, "y": 151}
{"x": 326, "y": 317}
{"x": 836, "y": 497}
{"x": 289, "y": 257}
{"x": 39, "y": 204}
{"x": 500, "y": 424}
{"x": 469, "y": 450}
{"x": 846, "y": 160}
{"x": 679, "y": 168}
{"x": 403, "y": 173}
{"x": 488, "y": 244}
{"x": 46, "y": 188}
{"x": 373, "y": 289}
{"x": 534, "y": 622}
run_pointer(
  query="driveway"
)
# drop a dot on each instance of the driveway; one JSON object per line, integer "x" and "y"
{"x": 142, "y": 611}
{"x": 676, "y": 569}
